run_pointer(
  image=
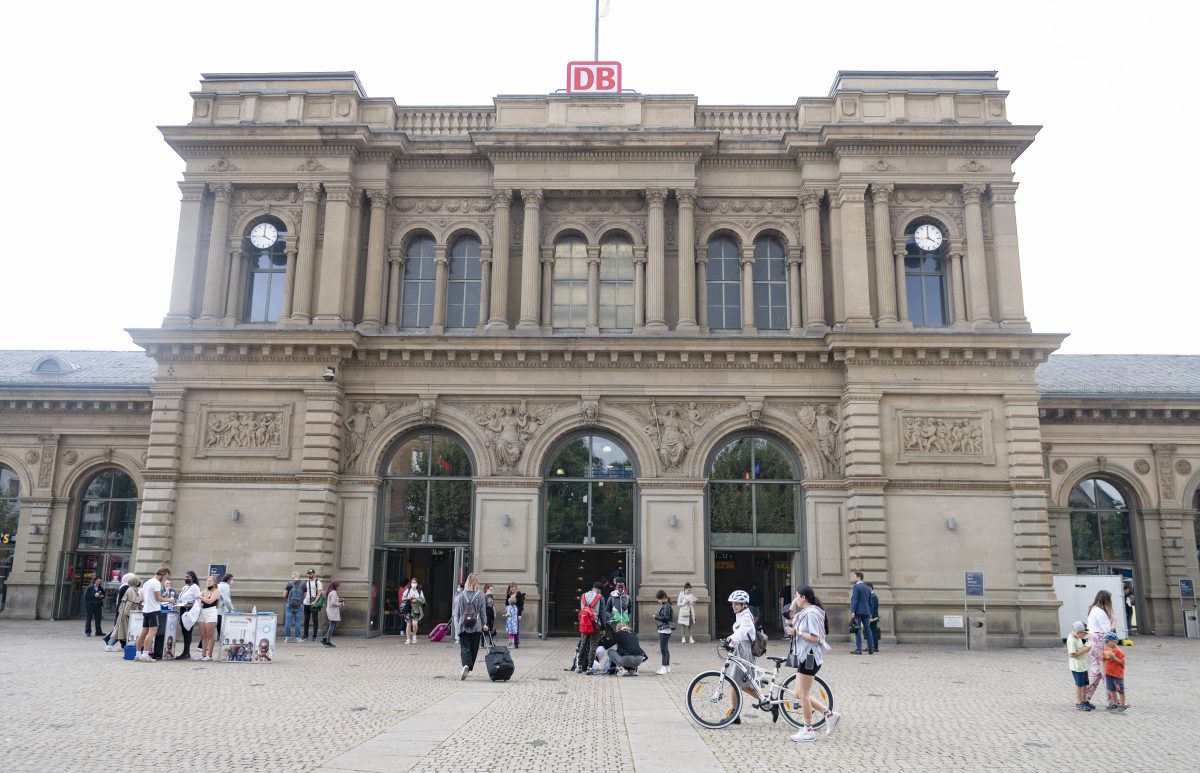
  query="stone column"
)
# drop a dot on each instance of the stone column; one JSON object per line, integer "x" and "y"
{"x": 885, "y": 272}
{"x": 593, "y": 291}
{"x": 530, "y": 250}
{"x": 376, "y": 270}
{"x": 237, "y": 273}
{"x": 395, "y": 273}
{"x": 977, "y": 289}
{"x": 656, "y": 281}
{"x": 814, "y": 281}
{"x": 639, "y": 289}
{"x": 854, "y": 257}
{"x": 334, "y": 254}
{"x": 835, "y": 262}
{"x": 899, "y": 253}
{"x": 441, "y": 281}
{"x": 351, "y": 274}
{"x": 307, "y": 257}
{"x": 289, "y": 281}
{"x": 547, "y": 288}
{"x": 485, "y": 285}
{"x": 216, "y": 269}
{"x": 498, "y": 320}
{"x": 957, "y": 290}
{"x": 187, "y": 243}
{"x": 684, "y": 240}
{"x": 794, "y": 266}
{"x": 702, "y": 287}
{"x": 747, "y": 264}
{"x": 1008, "y": 257}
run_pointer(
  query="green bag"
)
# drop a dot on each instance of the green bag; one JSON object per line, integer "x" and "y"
{"x": 319, "y": 604}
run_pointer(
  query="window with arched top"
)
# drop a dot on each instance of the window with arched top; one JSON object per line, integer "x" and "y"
{"x": 590, "y": 493}
{"x": 616, "y": 284}
{"x": 265, "y": 245}
{"x": 569, "y": 302}
{"x": 462, "y": 302}
{"x": 10, "y": 516}
{"x": 925, "y": 268}
{"x": 753, "y": 494}
{"x": 770, "y": 284}
{"x": 1100, "y": 525}
{"x": 427, "y": 494}
{"x": 420, "y": 273}
{"x": 723, "y": 291}
{"x": 108, "y": 512}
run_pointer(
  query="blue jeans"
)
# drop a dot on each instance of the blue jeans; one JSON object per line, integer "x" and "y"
{"x": 864, "y": 624}
{"x": 291, "y": 622}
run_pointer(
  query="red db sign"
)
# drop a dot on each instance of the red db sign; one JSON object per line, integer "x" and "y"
{"x": 594, "y": 77}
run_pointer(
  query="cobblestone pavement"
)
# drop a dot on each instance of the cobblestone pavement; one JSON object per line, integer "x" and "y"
{"x": 377, "y": 705}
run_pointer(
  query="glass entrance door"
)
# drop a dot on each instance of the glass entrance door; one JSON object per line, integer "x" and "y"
{"x": 568, "y": 573}
{"x": 77, "y": 570}
{"x": 765, "y": 575}
{"x": 435, "y": 569}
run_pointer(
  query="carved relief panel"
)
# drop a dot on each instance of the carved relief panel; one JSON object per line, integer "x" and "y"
{"x": 248, "y": 429}
{"x": 672, "y": 427}
{"x": 944, "y": 437}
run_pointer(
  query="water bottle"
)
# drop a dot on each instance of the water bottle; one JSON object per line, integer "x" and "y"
{"x": 254, "y": 610}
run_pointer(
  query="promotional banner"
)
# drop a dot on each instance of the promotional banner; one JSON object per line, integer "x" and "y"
{"x": 247, "y": 638}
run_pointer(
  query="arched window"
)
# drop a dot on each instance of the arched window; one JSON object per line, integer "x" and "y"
{"x": 569, "y": 298}
{"x": 427, "y": 492}
{"x": 753, "y": 495}
{"x": 616, "y": 285}
{"x": 770, "y": 285}
{"x": 419, "y": 275}
{"x": 590, "y": 493}
{"x": 10, "y": 516}
{"x": 108, "y": 512}
{"x": 265, "y": 244}
{"x": 724, "y": 282}
{"x": 925, "y": 274}
{"x": 1100, "y": 527}
{"x": 462, "y": 305}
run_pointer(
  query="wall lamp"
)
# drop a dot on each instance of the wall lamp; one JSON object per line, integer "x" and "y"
{"x": 951, "y": 523}
{"x": 234, "y": 514}
{"x": 672, "y": 520}
{"x": 505, "y": 519}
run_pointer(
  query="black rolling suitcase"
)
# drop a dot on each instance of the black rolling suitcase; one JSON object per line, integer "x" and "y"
{"x": 499, "y": 662}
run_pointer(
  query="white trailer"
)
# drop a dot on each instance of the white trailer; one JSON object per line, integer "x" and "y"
{"x": 1076, "y": 593}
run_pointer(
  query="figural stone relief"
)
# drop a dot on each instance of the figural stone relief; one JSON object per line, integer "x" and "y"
{"x": 509, "y": 429}
{"x": 945, "y": 436}
{"x": 243, "y": 430}
{"x": 672, "y": 426}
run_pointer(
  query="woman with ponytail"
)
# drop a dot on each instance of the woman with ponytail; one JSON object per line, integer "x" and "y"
{"x": 808, "y": 631}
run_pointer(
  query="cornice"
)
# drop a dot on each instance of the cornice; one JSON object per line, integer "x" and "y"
{"x": 1083, "y": 415}
{"x": 89, "y": 407}
{"x": 972, "y": 147}
{"x": 1006, "y": 486}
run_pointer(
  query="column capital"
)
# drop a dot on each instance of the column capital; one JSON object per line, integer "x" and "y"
{"x": 340, "y": 191}
{"x": 192, "y": 191}
{"x": 309, "y": 191}
{"x": 747, "y": 256}
{"x": 532, "y": 196}
{"x": 639, "y": 254}
{"x": 1003, "y": 193}
{"x": 291, "y": 252}
{"x": 485, "y": 254}
{"x": 548, "y": 255}
{"x": 222, "y": 191}
{"x": 793, "y": 254}
{"x": 881, "y": 192}
{"x": 686, "y": 197}
{"x": 380, "y": 197}
{"x": 501, "y": 198}
{"x": 593, "y": 255}
{"x": 810, "y": 198}
{"x": 702, "y": 254}
{"x": 656, "y": 196}
{"x": 972, "y": 192}
{"x": 898, "y": 252}
{"x": 439, "y": 254}
{"x": 957, "y": 247}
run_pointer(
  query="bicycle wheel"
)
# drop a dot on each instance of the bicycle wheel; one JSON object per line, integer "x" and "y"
{"x": 713, "y": 700}
{"x": 793, "y": 707}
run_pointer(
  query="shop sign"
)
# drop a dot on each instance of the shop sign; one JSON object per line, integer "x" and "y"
{"x": 593, "y": 77}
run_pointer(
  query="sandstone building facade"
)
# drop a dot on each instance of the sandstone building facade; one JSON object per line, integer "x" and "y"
{"x": 564, "y": 337}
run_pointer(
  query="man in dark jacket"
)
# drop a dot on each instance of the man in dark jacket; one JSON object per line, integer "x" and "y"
{"x": 860, "y": 611}
{"x": 874, "y": 616}
{"x": 619, "y": 606}
{"x": 93, "y": 603}
{"x": 630, "y": 654}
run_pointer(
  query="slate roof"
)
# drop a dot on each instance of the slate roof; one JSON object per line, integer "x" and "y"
{"x": 1169, "y": 376}
{"x": 91, "y": 369}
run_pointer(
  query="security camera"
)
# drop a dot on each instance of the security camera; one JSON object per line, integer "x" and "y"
{"x": 329, "y": 374}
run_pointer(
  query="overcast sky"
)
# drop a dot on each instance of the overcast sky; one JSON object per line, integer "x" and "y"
{"x": 90, "y": 203}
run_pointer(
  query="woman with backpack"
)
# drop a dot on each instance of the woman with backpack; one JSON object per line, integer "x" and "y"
{"x": 808, "y": 630}
{"x": 470, "y": 617}
{"x": 414, "y": 599}
{"x": 664, "y": 619}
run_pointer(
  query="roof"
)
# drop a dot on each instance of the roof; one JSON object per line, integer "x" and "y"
{"x": 1120, "y": 375}
{"x": 84, "y": 369}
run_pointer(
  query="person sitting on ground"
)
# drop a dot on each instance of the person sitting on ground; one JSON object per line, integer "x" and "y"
{"x": 630, "y": 654}
{"x": 601, "y": 664}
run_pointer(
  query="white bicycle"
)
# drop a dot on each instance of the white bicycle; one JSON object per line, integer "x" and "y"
{"x": 714, "y": 699}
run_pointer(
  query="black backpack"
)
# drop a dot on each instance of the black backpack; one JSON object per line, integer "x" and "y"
{"x": 470, "y": 615}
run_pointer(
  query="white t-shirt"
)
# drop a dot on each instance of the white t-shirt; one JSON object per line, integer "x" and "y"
{"x": 1098, "y": 621}
{"x": 151, "y": 589}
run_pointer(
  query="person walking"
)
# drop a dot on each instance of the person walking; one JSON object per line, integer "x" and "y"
{"x": 591, "y": 624}
{"x": 226, "y": 605}
{"x": 93, "y": 606}
{"x": 1129, "y": 608}
{"x": 314, "y": 599}
{"x": 414, "y": 597}
{"x": 333, "y": 612}
{"x": 293, "y": 608}
{"x": 152, "y": 601}
{"x": 512, "y": 593}
{"x": 665, "y": 624}
{"x": 189, "y": 595}
{"x": 741, "y": 640}
{"x": 110, "y": 641}
{"x": 687, "y": 613}
{"x": 210, "y": 598}
{"x": 471, "y": 615}
{"x": 808, "y": 631}
{"x": 453, "y": 619}
{"x": 860, "y": 610}
{"x": 131, "y": 599}
{"x": 874, "y": 604}
{"x": 1099, "y": 622}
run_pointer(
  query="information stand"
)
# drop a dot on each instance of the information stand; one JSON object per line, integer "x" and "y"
{"x": 976, "y": 626}
{"x": 247, "y": 637}
{"x": 165, "y": 637}
{"x": 1187, "y": 592}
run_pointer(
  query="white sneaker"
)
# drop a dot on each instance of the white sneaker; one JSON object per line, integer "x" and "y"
{"x": 465, "y": 670}
{"x": 806, "y": 735}
{"x": 831, "y": 722}
{"x": 662, "y": 670}
{"x": 110, "y": 648}
{"x": 692, "y": 640}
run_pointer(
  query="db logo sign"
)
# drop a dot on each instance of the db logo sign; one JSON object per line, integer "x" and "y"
{"x": 594, "y": 77}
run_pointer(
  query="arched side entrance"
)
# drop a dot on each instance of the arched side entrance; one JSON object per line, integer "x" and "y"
{"x": 589, "y": 525}
{"x": 754, "y": 506}
{"x": 423, "y": 527}
{"x": 10, "y": 517}
{"x": 1102, "y": 534}
{"x": 102, "y": 544}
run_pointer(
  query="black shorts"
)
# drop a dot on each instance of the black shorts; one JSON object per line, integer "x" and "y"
{"x": 150, "y": 619}
{"x": 809, "y": 672}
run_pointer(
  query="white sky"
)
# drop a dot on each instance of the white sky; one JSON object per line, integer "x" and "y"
{"x": 90, "y": 203}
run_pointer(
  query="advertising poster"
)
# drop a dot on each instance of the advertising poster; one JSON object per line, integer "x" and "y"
{"x": 169, "y": 630}
{"x": 247, "y": 638}
{"x": 135, "y": 626}
{"x": 264, "y": 635}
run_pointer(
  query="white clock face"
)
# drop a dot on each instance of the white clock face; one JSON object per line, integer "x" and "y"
{"x": 928, "y": 237}
{"x": 264, "y": 235}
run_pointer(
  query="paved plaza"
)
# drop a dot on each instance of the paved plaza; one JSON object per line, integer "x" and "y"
{"x": 378, "y": 705}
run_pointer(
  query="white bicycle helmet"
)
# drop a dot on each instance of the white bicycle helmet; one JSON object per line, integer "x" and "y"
{"x": 739, "y": 597}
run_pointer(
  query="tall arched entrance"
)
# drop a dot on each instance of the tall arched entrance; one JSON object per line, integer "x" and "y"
{"x": 426, "y": 502}
{"x": 102, "y": 544}
{"x": 755, "y": 527}
{"x": 589, "y": 525}
{"x": 1102, "y": 534}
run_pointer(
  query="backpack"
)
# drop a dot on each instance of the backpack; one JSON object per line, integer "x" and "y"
{"x": 587, "y": 616}
{"x": 470, "y": 616}
{"x": 295, "y": 598}
{"x": 758, "y": 645}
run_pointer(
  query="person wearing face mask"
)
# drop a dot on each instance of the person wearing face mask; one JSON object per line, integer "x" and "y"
{"x": 209, "y": 600}
{"x": 414, "y": 599}
{"x": 187, "y": 597}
